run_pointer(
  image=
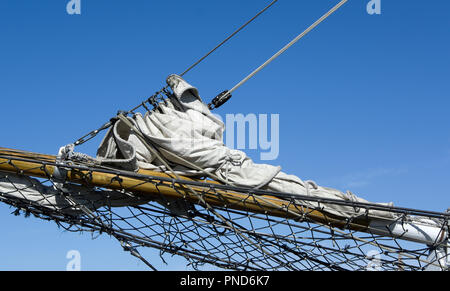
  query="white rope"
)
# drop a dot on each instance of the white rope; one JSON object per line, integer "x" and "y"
{"x": 289, "y": 45}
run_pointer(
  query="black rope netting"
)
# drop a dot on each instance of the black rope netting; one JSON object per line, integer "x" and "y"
{"x": 219, "y": 232}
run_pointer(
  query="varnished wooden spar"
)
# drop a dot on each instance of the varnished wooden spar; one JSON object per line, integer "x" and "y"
{"x": 35, "y": 166}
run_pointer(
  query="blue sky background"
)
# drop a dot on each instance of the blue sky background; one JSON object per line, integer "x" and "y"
{"x": 363, "y": 100}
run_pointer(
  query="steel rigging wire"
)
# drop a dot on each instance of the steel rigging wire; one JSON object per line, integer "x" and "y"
{"x": 226, "y": 95}
{"x": 107, "y": 125}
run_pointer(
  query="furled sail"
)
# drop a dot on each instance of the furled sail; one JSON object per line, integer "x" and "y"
{"x": 190, "y": 137}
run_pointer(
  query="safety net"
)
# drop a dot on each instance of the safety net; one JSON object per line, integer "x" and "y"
{"x": 214, "y": 225}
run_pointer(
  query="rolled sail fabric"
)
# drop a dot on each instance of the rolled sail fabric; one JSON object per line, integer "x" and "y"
{"x": 184, "y": 126}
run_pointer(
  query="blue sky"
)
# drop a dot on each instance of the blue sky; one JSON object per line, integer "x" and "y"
{"x": 363, "y": 100}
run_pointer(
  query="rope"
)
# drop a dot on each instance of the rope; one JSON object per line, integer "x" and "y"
{"x": 135, "y": 253}
{"x": 282, "y": 195}
{"x": 293, "y": 243}
{"x": 217, "y": 47}
{"x": 289, "y": 45}
{"x": 190, "y": 189}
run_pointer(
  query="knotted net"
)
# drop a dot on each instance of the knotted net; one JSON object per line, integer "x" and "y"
{"x": 218, "y": 225}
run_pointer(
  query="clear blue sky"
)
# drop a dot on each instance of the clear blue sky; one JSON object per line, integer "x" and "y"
{"x": 363, "y": 100}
